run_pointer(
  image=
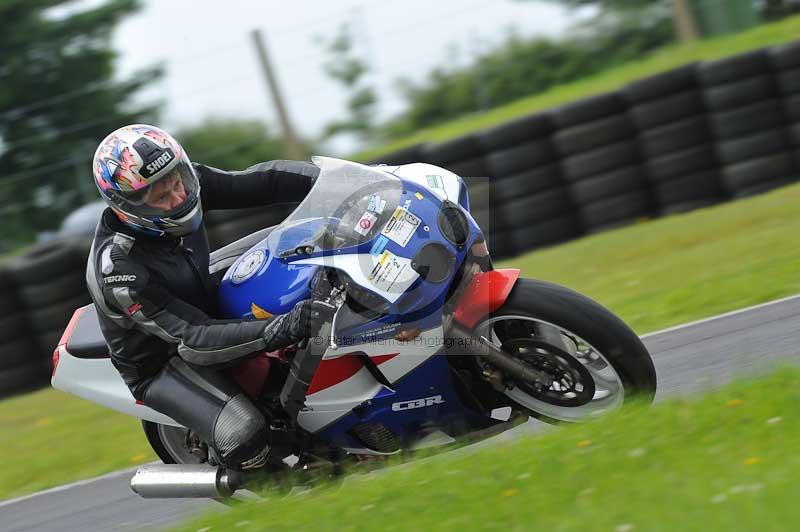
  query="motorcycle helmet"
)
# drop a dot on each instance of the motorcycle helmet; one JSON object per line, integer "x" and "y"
{"x": 146, "y": 178}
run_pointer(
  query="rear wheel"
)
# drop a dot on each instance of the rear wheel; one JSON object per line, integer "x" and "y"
{"x": 175, "y": 445}
{"x": 596, "y": 362}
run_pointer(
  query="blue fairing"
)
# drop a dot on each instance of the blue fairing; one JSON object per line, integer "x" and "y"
{"x": 463, "y": 197}
{"x": 276, "y": 287}
{"x": 279, "y": 284}
{"x": 428, "y": 380}
{"x": 261, "y": 281}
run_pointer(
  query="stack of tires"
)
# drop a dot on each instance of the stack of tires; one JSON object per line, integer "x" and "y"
{"x": 748, "y": 123}
{"x": 407, "y": 155}
{"x": 675, "y": 139}
{"x": 462, "y": 155}
{"x": 679, "y": 140}
{"x": 226, "y": 226}
{"x": 21, "y": 366}
{"x": 600, "y": 160}
{"x": 51, "y": 282}
{"x": 786, "y": 64}
{"x": 528, "y": 203}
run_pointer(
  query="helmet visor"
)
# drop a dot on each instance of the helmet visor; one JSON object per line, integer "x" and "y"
{"x": 171, "y": 196}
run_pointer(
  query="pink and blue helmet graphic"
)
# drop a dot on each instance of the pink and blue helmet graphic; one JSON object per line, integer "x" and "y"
{"x": 115, "y": 167}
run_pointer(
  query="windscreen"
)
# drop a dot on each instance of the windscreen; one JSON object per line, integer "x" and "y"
{"x": 348, "y": 204}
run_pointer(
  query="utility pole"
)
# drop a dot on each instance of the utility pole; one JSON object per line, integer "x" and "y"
{"x": 293, "y": 148}
{"x": 683, "y": 21}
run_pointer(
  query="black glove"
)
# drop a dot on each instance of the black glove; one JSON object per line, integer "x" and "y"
{"x": 308, "y": 316}
{"x": 303, "y": 321}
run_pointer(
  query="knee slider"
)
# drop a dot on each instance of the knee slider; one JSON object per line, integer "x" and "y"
{"x": 240, "y": 431}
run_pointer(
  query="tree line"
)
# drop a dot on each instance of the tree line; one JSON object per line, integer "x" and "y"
{"x": 59, "y": 95}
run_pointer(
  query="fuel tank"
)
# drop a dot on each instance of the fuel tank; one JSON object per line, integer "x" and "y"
{"x": 259, "y": 285}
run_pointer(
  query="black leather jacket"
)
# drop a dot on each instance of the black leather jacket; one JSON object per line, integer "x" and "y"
{"x": 154, "y": 295}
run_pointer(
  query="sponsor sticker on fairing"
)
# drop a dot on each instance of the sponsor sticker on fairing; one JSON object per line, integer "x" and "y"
{"x": 365, "y": 223}
{"x": 379, "y": 245}
{"x": 435, "y": 181}
{"x": 401, "y": 226}
{"x": 376, "y": 204}
{"x": 392, "y": 273}
{"x": 372, "y": 334}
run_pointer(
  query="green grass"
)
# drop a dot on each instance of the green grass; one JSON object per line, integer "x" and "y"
{"x": 51, "y": 438}
{"x": 680, "y": 268}
{"x": 724, "y": 461}
{"x": 664, "y": 59}
{"x": 653, "y": 274}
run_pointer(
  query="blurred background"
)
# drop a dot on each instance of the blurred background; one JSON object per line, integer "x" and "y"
{"x": 351, "y": 76}
{"x": 566, "y": 118}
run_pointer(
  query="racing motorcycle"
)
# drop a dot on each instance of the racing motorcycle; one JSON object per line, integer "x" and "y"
{"x": 430, "y": 345}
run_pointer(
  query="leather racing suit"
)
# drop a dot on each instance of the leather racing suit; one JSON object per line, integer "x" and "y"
{"x": 156, "y": 303}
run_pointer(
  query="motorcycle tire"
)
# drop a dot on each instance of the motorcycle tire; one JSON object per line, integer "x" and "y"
{"x": 740, "y": 93}
{"x": 592, "y": 135}
{"x": 676, "y": 164}
{"x": 615, "y": 211}
{"x": 507, "y": 162}
{"x": 21, "y": 379}
{"x": 452, "y": 151}
{"x": 733, "y": 68}
{"x": 600, "y": 161}
{"x": 785, "y": 56}
{"x": 676, "y": 136}
{"x": 408, "y": 155}
{"x": 605, "y": 186}
{"x": 681, "y": 193}
{"x": 558, "y": 308}
{"x": 164, "y": 440}
{"x": 668, "y": 109}
{"x": 589, "y": 109}
{"x": 748, "y": 120}
{"x": 662, "y": 85}
{"x": 47, "y": 261}
{"x": 530, "y": 181}
{"x": 523, "y": 129}
{"x": 789, "y": 82}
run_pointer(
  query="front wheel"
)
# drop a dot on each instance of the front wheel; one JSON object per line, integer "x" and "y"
{"x": 595, "y": 361}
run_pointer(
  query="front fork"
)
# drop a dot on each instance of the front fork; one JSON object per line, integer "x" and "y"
{"x": 485, "y": 293}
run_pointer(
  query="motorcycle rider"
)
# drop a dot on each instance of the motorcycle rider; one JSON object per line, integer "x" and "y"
{"x": 148, "y": 276}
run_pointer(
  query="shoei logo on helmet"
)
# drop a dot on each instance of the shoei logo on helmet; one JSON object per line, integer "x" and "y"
{"x": 159, "y": 163}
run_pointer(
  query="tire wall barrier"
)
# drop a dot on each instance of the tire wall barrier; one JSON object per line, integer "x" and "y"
{"x": 682, "y": 139}
{"x": 41, "y": 288}
{"x": 676, "y": 141}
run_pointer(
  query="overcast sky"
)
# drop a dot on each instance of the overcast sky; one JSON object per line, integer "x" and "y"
{"x": 212, "y": 68}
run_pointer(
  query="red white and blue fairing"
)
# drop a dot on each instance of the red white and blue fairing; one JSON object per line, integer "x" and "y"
{"x": 379, "y": 220}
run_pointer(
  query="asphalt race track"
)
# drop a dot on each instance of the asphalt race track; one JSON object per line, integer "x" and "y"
{"x": 688, "y": 358}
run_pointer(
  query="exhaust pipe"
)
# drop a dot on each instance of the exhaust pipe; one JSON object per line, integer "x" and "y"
{"x": 173, "y": 481}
